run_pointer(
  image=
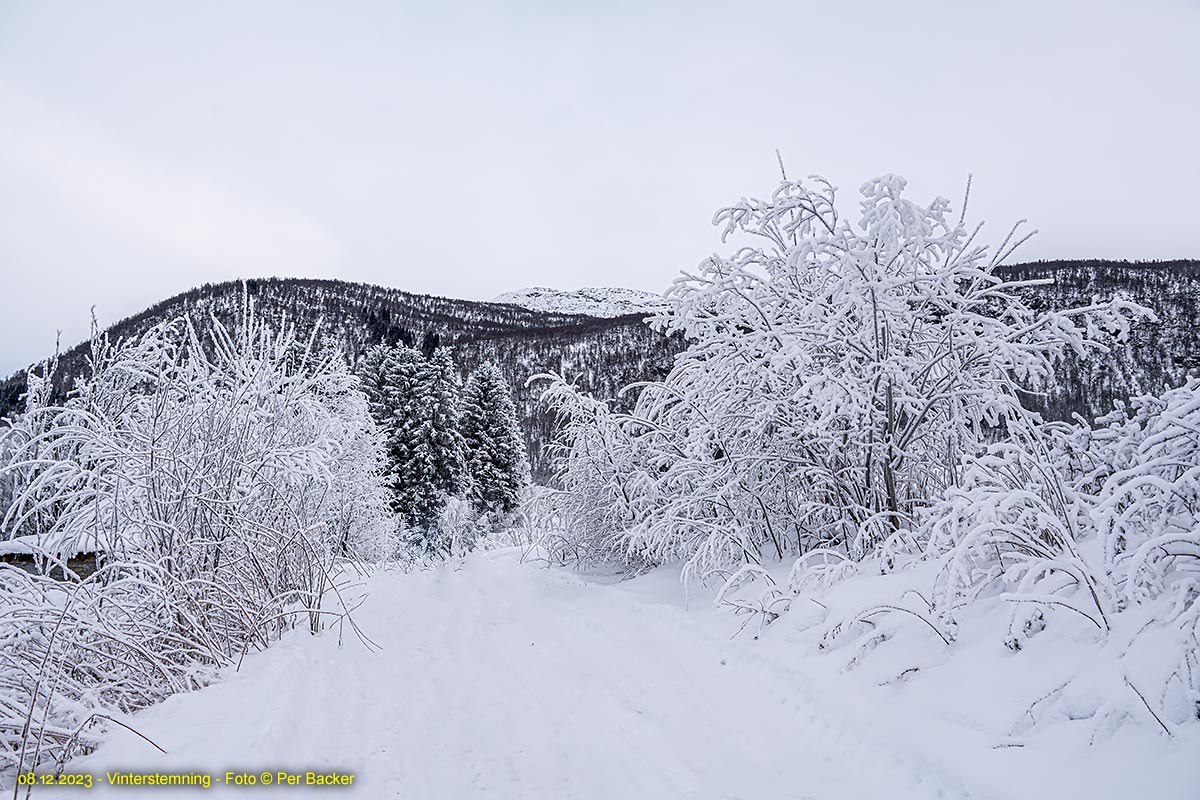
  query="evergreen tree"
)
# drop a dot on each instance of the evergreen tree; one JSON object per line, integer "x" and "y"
{"x": 404, "y": 430}
{"x": 374, "y": 374}
{"x": 495, "y": 451}
{"x": 436, "y": 446}
{"x": 432, "y": 466}
{"x": 390, "y": 375}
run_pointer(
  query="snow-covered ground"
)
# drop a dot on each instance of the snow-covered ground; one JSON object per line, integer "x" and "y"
{"x": 608, "y": 301}
{"x": 504, "y": 679}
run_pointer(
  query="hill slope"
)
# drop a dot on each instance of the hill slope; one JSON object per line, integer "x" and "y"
{"x": 1158, "y": 353}
{"x": 603, "y": 353}
{"x": 605, "y": 350}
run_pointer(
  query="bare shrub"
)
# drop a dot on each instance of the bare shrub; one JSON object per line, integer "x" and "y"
{"x": 221, "y": 482}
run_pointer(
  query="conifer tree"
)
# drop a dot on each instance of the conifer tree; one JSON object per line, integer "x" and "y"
{"x": 374, "y": 373}
{"x": 432, "y": 463}
{"x": 404, "y": 430}
{"x": 390, "y": 375}
{"x": 495, "y": 451}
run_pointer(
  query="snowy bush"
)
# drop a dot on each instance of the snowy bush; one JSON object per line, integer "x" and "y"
{"x": 1148, "y": 513}
{"x": 219, "y": 481}
{"x": 1093, "y": 520}
{"x": 458, "y": 526}
{"x": 838, "y": 376}
{"x": 1014, "y": 527}
{"x": 601, "y": 484}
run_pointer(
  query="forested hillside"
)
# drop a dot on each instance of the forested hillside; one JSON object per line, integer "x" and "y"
{"x": 1157, "y": 354}
{"x": 605, "y": 354}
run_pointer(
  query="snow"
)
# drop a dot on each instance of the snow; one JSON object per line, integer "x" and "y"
{"x": 594, "y": 301}
{"x": 996, "y": 716}
{"x": 27, "y": 545}
{"x": 499, "y": 678}
{"x": 37, "y": 545}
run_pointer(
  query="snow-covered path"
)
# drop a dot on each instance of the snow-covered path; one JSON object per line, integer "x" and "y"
{"x": 505, "y": 680}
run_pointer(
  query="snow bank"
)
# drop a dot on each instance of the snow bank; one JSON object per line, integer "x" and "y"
{"x": 1059, "y": 717}
{"x": 503, "y": 679}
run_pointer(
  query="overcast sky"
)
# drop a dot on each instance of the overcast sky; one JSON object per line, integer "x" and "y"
{"x": 466, "y": 149}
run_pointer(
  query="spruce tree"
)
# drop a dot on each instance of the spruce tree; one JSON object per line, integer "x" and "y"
{"x": 404, "y": 431}
{"x": 374, "y": 373}
{"x": 390, "y": 376}
{"x": 495, "y": 451}
{"x": 433, "y": 469}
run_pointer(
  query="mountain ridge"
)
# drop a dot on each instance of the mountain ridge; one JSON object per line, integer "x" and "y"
{"x": 596, "y": 301}
{"x": 606, "y": 351}
{"x": 521, "y": 341}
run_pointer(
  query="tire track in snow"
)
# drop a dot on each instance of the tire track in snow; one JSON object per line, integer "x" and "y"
{"x": 919, "y": 776}
{"x": 505, "y": 680}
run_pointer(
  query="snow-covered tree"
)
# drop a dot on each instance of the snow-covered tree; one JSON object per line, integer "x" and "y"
{"x": 838, "y": 373}
{"x": 441, "y": 444}
{"x": 361, "y": 523}
{"x": 377, "y": 372}
{"x": 603, "y": 484}
{"x": 431, "y": 468}
{"x": 495, "y": 451}
{"x": 401, "y": 424}
{"x": 23, "y": 435}
{"x": 392, "y": 378}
